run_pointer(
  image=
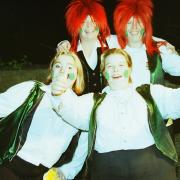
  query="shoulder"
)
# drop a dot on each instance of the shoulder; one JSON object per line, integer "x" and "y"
{"x": 21, "y": 87}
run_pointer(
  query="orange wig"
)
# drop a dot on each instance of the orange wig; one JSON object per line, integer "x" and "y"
{"x": 141, "y": 10}
{"x": 76, "y": 13}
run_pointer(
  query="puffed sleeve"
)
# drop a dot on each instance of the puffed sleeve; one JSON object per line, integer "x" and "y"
{"x": 74, "y": 109}
{"x": 170, "y": 61}
{"x": 167, "y": 100}
{"x": 14, "y": 97}
{"x": 71, "y": 169}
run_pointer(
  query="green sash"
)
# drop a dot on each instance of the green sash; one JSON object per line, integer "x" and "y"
{"x": 11, "y": 126}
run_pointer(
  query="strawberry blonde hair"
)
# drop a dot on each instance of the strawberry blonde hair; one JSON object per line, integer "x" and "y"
{"x": 112, "y": 51}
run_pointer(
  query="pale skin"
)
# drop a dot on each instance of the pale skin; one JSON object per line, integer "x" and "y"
{"x": 64, "y": 74}
{"x": 88, "y": 36}
{"x": 117, "y": 72}
{"x": 135, "y": 31}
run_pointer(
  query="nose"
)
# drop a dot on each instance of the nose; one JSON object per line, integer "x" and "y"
{"x": 134, "y": 24}
{"x": 62, "y": 69}
{"x": 116, "y": 69}
{"x": 89, "y": 25}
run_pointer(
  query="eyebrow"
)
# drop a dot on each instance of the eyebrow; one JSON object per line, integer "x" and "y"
{"x": 61, "y": 63}
{"x": 71, "y": 64}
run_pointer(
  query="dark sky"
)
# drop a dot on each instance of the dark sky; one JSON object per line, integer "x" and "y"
{"x": 33, "y": 28}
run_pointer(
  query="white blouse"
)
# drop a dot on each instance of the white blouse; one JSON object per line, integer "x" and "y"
{"x": 48, "y": 136}
{"x": 140, "y": 70}
{"x": 122, "y": 121}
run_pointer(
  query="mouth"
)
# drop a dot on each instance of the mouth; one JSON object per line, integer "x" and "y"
{"x": 134, "y": 33}
{"x": 116, "y": 76}
{"x": 89, "y": 31}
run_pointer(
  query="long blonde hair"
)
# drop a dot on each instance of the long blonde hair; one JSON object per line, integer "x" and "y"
{"x": 79, "y": 85}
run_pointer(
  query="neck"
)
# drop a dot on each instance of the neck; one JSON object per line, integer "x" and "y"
{"x": 121, "y": 86}
{"x": 137, "y": 44}
{"x": 88, "y": 46}
{"x": 88, "y": 42}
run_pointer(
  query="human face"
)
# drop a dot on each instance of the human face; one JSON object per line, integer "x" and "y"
{"x": 65, "y": 69}
{"x": 89, "y": 29}
{"x": 134, "y": 31}
{"x": 117, "y": 72}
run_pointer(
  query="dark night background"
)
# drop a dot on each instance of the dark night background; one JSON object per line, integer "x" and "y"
{"x": 33, "y": 28}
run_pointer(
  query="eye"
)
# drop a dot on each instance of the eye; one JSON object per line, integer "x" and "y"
{"x": 109, "y": 66}
{"x": 57, "y": 66}
{"x": 70, "y": 67}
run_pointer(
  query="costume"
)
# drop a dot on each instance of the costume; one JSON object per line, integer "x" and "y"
{"x": 144, "y": 58}
{"x": 74, "y": 22}
{"x": 74, "y": 19}
{"x": 150, "y": 68}
{"x": 142, "y": 64}
{"x": 91, "y": 65}
{"x": 121, "y": 121}
{"x": 31, "y": 132}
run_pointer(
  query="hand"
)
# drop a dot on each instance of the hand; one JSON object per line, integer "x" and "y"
{"x": 171, "y": 48}
{"x": 63, "y": 46}
{"x": 54, "y": 174}
{"x": 61, "y": 175}
{"x": 59, "y": 86}
{"x": 59, "y": 83}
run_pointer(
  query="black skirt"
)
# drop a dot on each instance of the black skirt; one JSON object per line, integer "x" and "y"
{"x": 18, "y": 169}
{"x": 143, "y": 164}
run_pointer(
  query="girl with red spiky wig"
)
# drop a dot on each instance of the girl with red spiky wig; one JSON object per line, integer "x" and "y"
{"x": 76, "y": 14}
{"x": 132, "y": 23}
{"x": 87, "y": 26}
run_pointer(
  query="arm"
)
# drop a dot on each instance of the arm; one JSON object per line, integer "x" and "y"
{"x": 167, "y": 100}
{"x": 74, "y": 109}
{"x": 170, "y": 61}
{"x": 71, "y": 169}
{"x": 170, "y": 58}
{"x": 14, "y": 97}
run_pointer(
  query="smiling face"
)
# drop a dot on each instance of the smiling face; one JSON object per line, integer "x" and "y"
{"x": 89, "y": 29}
{"x": 64, "y": 68}
{"x": 117, "y": 72}
{"x": 134, "y": 31}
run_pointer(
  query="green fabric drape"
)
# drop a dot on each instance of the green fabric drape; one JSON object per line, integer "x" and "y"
{"x": 11, "y": 126}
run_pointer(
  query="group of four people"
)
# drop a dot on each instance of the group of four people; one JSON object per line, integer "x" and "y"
{"x": 123, "y": 124}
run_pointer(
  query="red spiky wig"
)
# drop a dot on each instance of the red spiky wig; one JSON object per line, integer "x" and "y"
{"x": 76, "y": 13}
{"x": 141, "y": 10}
